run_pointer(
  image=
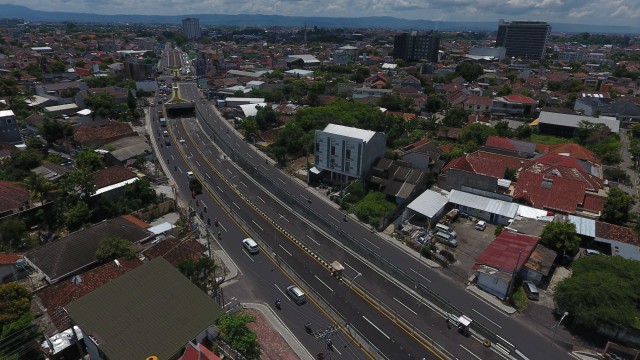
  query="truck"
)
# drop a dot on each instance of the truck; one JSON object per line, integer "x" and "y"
{"x": 195, "y": 186}
{"x": 163, "y": 122}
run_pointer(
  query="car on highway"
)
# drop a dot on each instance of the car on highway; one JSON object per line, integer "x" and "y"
{"x": 165, "y": 133}
{"x": 296, "y": 295}
{"x": 251, "y": 245}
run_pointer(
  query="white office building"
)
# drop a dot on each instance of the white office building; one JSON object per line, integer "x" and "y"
{"x": 191, "y": 28}
{"x": 347, "y": 151}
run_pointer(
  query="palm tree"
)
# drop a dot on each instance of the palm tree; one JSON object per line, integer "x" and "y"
{"x": 38, "y": 187}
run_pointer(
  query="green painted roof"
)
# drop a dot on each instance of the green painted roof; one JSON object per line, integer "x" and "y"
{"x": 152, "y": 310}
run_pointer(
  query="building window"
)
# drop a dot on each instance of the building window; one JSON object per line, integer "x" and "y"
{"x": 8, "y": 121}
{"x": 333, "y": 150}
{"x": 348, "y": 154}
{"x": 317, "y": 146}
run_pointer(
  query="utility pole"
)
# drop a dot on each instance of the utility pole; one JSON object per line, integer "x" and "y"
{"x": 324, "y": 335}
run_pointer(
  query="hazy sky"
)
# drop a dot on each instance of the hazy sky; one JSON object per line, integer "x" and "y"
{"x": 602, "y": 12}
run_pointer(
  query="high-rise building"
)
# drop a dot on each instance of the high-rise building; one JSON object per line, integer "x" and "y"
{"x": 191, "y": 28}
{"x": 414, "y": 47}
{"x": 523, "y": 39}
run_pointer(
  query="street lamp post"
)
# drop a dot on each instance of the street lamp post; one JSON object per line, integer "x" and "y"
{"x": 354, "y": 279}
{"x": 558, "y": 325}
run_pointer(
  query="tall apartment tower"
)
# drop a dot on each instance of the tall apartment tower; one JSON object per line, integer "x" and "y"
{"x": 415, "y": 47}
{"x": 191, "y": 28}
{"x": 523, "y": 39}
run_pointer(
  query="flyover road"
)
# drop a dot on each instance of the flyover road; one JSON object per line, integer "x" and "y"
{"x": 335, "y": 296}
{"x": 261, "y": 277}
{"x": 295, "y": 241}
{"x": 515, "y": 334}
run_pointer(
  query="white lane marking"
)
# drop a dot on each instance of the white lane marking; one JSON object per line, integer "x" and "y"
{"x": 336, "y": 350}
{"x": 377, "y": 328}
{"x": 219, "y": 188}
{"x": 210, "y": 152}
{"x": 323, "y": 283}
{"x": 417, "y": 273}
{"x": 261, "y": 199}
{"x": 372, "y": 244}
{"x": 261, "y": 229}
{"x": 405, "y": 306}
{"x": 282, "y": 181}
{"x": 282, "y": 217}
{"x": 249, "y": 256}
{"x": 198, "y": 163}
{"x": 351, "y": 267}
{"x": 285, "y": 295}
{"x": 245, "y": 185}
{"x": 469, "y": 351}
{"x": 220, "y": 161}
{"x": 179, "y": 169}
{"x": 236, "y": 205}
{"x": 222, "y": 226}
{"x": 333, "y": 218}
{"x": 208, "y": 175}
{"x": 491, "y": 321}
{"x": 229, "y": 171}
{"x": 285, "y": 250}
{"x": 172, "y": 158}
{"x": 190, "y": 153}
{"x": 264, "y": 167}
{"x": 310, "y": 238}
{"x": 249, "y": 155}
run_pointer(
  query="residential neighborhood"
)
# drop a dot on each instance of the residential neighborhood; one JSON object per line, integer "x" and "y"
{"x": 129, "y": 153}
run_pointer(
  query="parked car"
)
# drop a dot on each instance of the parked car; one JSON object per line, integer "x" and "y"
{"x": 481, "y": 225}
{"x": 590, "y": 252}
{"x": 531, "y": 290}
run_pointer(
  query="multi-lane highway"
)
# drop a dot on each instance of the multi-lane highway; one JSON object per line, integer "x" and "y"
{"x": 391, "y": 318}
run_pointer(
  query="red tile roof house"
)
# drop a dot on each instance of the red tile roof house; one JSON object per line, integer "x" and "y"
{"x": 478, "y": 104}
{"x": 560, "y": 184}
{"x": 14, "y": 198}
{"x": 112, "y": 180}
{"x": 9, "y": 270}
{"x": 99, "y": 133}
{"x": 479, "y": 170}
{"x": 504, "y": 257}
{"x": 513, "y": 105}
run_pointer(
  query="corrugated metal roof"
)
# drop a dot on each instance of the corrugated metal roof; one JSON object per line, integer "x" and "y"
{"x": 429, "y": 203}
{"x": 364, "y": 135}
{"x": 531, "y": 212}
{"x": 584, "y": 226}
{"x": 489, "y": 205}
{"x": 152, "y": 310}
{"x": 570, "y": 120}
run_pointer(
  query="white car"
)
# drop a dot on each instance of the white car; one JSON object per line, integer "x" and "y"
{"x": 481, "y": 225}
{"x": 250, "y": 245}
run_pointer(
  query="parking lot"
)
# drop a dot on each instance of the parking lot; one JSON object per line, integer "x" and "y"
{"x": 471, "y": 243}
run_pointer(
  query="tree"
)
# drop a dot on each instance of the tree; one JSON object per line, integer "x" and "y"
{"x": 233, "y": 327}
{"x": 131, "y": 101}
{"x": 469, "y": 71}
{"x": 456, "y": 118}
{"x": 505, "y": 90}
{"x": 38, "y": 186}
{"x": 198, "y": 271}
{"x": 373, "y": 207}
{"x": 560, "y": 236}
{"x": 52, "y": 130}
{"x": 602, "y": 292}
{"x": 266, "y": 117}
{"x": 250, "y": 127}
{"x": 113, "y": 247}
{"x": 77, "y": 215}
{"x": 15, "y": 300}
{"x": 435, "y": 103}
{"x": 12, "y": 231}
{"x": 476, "y": 133}
{"x": 617, "y": 207}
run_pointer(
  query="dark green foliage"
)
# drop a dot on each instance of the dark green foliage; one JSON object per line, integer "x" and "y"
{"x": 456, "y": 118}
{"x": 112, "y": 247}
{"x": 8, "y": 87}
{"x": 599, "y": 139}
{"x": 469, "y": 71}
{"x": 617, "y": 174}
{"x": 199, "y": 271}
{"x": 233, "y": 327}
{"x": 52, "y": 130}
{"x": 476, "y": 133}
{"x": 12, "y": 231}
{"x": 617, "y": 207}
{"x": 266, "y": 117}
{"x": 373, "y": 207}
{"x": 435, "y": 103}
{"x": 17, "y": 334}
{"x": 560, "y": 236}
{"x": 510, "y": 174}
{"x": 602, "y": 292}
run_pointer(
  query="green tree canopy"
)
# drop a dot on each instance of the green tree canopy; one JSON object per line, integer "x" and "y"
{"x": 477, "y": 132}
{"x": 560, "y": 236}
{"x": 469, "y": 71}
{"x": 15, "y": 300}
{"x": 435, "y": 103}
{"x": 12, "y": 231}
{"x": 198, "y": 271}
{"x": 112, "y": 247}
{"x": 617, "y": 207}
{"x": 52, "y": 130}
{"x": 602, "y": 292}
{"x": 266, "y": 117}
{"x": 456, "y": 118}
{"x": 233, "y": 327}
{"x": 373, "y": 207}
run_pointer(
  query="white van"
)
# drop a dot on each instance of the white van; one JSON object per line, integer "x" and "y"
{"x": 446, "y": 239}
{"x": 446, "y": 229}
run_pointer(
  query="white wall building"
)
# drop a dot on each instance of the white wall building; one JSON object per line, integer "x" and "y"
{"x": 347, "y": 151}
{"x": 191, "y": 28}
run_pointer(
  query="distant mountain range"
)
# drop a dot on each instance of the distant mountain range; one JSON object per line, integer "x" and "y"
{"x": 388, "y": 22}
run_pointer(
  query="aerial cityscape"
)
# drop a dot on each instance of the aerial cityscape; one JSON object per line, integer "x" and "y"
{"x": 373, "y": 180}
